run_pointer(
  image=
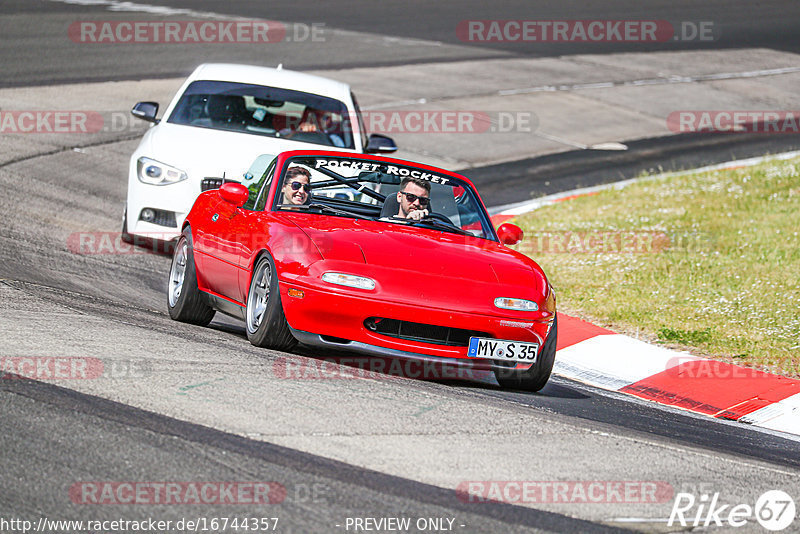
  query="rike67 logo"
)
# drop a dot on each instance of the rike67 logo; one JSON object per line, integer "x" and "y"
{"x": 774, "y": 510}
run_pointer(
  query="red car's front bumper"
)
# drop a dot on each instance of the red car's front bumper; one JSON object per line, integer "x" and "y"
{"x": 335, "y": 317}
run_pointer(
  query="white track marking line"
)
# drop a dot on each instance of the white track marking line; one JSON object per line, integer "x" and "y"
{"x": 664, "y": 80}
{"x": 133, "y": 7}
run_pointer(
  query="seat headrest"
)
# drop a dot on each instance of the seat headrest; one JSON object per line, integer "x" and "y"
{"x": 390, "y": 206}
{"x": 225, "y": 107}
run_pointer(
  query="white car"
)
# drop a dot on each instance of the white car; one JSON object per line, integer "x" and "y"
{"x": 223, "y": 118}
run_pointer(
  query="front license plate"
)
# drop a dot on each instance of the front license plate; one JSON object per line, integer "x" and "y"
{"x": 500, "y": 349}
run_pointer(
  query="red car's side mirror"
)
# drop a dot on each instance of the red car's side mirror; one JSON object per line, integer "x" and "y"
{"x": 234, "y": 193}
{"x": 509, "y": 234}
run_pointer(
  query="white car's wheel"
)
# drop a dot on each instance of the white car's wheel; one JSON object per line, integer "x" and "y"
{"x": 124, "y": 235}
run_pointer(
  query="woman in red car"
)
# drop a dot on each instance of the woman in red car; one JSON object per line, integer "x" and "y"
{"x": 296, "y": 186}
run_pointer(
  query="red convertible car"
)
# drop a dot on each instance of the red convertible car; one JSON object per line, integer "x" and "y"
{"x": 369, "y": 254}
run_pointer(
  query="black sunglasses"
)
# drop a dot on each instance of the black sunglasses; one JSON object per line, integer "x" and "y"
{"x": 423, "y": 201}
{"x": 297, "y": 185}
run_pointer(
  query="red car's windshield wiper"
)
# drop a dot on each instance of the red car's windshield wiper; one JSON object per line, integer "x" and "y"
{"x": 438, "y": 223}
{"x": 326, "y": 209}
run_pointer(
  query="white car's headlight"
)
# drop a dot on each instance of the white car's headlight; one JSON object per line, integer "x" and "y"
{"x": 507, "y": 303}
{"x": 349, "y": 280}
{"x": 154, "y": 172}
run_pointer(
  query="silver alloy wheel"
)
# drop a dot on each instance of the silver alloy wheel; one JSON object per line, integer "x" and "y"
{"x": 259, "y": 296}
{"x": 177, "y": 273}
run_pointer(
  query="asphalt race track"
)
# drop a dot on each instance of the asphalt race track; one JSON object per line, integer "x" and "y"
{"x": 769, "y": 24}
{"x": 183, "y": 404}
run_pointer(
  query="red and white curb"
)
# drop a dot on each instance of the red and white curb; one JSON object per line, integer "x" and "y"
{"x": 604, "y": 359}
{"x": 599, "y": 357}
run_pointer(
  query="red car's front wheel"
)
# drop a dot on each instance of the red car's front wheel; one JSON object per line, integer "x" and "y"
{"x": 537, "y": 376}
{"x": 266, "y": 323}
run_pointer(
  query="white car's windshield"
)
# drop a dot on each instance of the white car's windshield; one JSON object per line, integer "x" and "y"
{"x": 268, "y": 111}
{"x": 362, "y": 188}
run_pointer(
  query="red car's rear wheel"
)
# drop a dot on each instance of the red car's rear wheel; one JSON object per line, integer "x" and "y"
{"x": 184, "y": 300}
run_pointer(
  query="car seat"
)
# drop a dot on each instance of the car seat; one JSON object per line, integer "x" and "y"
{"x": 391, "y": 206}
{"x": 226, "y": 110}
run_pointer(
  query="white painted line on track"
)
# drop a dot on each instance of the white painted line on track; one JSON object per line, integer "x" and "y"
{"x": 134, "y": 7}
{"x": 665, "y": 80}
{"x": 397, "y": 103}
{"x": 582, "y": 86}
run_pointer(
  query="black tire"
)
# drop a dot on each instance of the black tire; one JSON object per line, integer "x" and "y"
{"x": 124, "y": 235}
{"x": 184, "y": 300}
{"x": 266, "y": 324}
{"x": 537, "y": 376}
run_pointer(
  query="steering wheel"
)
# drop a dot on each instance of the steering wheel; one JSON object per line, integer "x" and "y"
{"x": 440, "y": 217}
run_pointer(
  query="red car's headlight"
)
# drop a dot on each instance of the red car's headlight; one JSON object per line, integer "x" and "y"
{"x": 349, "y": 280}
{"x": 507, "y": 303}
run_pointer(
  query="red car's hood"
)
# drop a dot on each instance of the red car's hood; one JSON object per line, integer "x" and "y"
{"x": 419, "y": 257}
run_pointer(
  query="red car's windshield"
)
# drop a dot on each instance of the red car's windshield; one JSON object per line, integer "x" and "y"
{"x": 391, "y": 193}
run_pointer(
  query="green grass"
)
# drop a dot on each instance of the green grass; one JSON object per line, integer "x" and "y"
{"x": 708, "y": 262}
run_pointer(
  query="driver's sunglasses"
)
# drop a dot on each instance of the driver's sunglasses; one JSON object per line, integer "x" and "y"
{"x": 423, "y": 201}
{"x": 297, "y": 185}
